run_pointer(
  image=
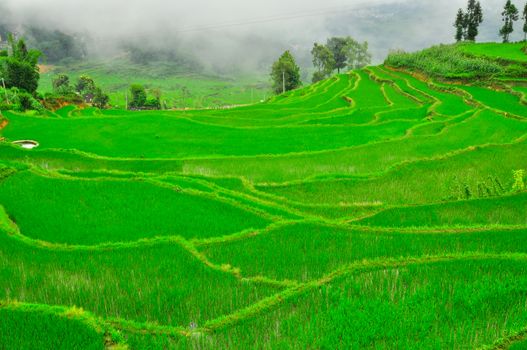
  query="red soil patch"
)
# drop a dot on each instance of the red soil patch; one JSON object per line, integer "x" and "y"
{"x": 3, "y": 124}
{"x": 43, "y": 68}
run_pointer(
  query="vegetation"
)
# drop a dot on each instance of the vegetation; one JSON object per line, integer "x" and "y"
{"x": 324, "y": 62}
{"x": 141, "y": 101}
{"x": 510, "y": 15}
{"x": 84, "y": 91}
{"x": 285, "y": 74}
{"x": 464, "y": 61}
{"x": 524, "y": 17}
{"x": 379, "y": 208}
{"x": 180, "y": 89}
{"x": 18, "y": 67}
{"x": 467, "y": 23}
{"x": 337, "y": 54}
{"x": 55, "y": 45}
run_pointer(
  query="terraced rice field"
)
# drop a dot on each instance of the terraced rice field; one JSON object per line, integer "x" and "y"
{"x": 370, "y": 210}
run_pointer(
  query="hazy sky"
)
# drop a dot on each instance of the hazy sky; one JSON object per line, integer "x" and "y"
{"x": 228, "y": 29}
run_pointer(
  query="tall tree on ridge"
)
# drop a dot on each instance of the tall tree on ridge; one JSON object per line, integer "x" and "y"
{"x": 473, "y": 18}
{"x": 510, "y": 14}
{"x": 460, "y": 26}
{"x": 357, "y": 54}
{"x": 338, "y": 47}
{"x": 323, "y": 61}
{"x": 285, "y": 74}
{"x": 524, "y": 17}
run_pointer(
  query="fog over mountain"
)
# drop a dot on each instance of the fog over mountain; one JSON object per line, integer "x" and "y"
{"x": 249, "y": 34}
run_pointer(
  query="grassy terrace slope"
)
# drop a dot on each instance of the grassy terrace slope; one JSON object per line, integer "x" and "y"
{"x": 374, "y": 209}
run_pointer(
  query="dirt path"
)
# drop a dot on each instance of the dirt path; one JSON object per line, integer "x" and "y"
{"x": 43, "y": 68}
{"x": 3, "y": 124}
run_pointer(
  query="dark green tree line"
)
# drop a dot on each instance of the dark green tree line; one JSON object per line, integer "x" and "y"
{"x": 338, "y": 54}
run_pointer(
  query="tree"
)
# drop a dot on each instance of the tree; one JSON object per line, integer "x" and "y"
{"x": 61, "y": 84}
{"x": 467, "y": 23}
{"x": 285, "y": 74}
{"x": 25, "y": 101}
{"x": 20, "y": 75}
{"x": 473, "y": 18}
{"x": 460, "y": 25}
{"x": 524, "y": 17}
{"x": 20, "y": 68}
{"x": 337, "y": 46}
{"x": 323, "y": 61}
{"x": 509, "y": 14}
{"x": 85, "y": 84}
{"x": 357, "y": 55}
{"x": 138, "y": 96}
{"x": 100, "y": 99}
{"x": 86, "y": 88}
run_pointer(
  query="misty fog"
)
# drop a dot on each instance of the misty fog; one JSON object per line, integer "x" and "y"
{"x": 249, "y": 34}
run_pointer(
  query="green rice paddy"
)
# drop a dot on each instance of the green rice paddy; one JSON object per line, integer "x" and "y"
{"x": 371, "y": 210}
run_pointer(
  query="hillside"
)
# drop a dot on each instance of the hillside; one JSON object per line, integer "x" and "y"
{"x": 180, "y": 87}
{"x": 466, "y": 61}
{"x": 376, "y": 209}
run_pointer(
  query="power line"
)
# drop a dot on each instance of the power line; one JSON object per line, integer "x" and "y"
{"x": 292, "y": 16}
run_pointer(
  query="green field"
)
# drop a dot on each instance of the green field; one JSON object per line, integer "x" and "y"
{"x": 179, "y": 88}
{"x": 376, "y": 209}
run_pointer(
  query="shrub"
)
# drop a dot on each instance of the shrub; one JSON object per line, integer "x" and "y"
{"x": 153, "y": 103}
{"x": 25, "y": 101}
{"x": 445, "y": 61}
{"x": 138, "y": 96}
{"x": 21, "y": 75}
{"x": 61, "y": 84}
{"x": 519, "y": 184}
{"x": 100, "y": 99}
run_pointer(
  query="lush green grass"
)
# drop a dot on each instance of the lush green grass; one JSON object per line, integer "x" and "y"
{"x": 485, "y": 172}
{"x": 511, "y": 210}
{"x": 498, "y": 100}
{"x": 150, "y": 135}
{"x": 374, "y": 209}
{"x": 89, "y": 212}
{"x": 366, "y": 159}
{"x": 160, "y": 283}
{"x": 507, "y": 52}
{"x": 32, "y": 328}
{"x": 450, "y": 305}
{"x": 309, "y": 251}
{"x": 462, "y": 61}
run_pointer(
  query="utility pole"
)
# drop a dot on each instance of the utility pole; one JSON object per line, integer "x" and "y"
{"x": 5, "y": 91}
{"x": 283, "y": 81}
{"x": 126, "y": 99}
